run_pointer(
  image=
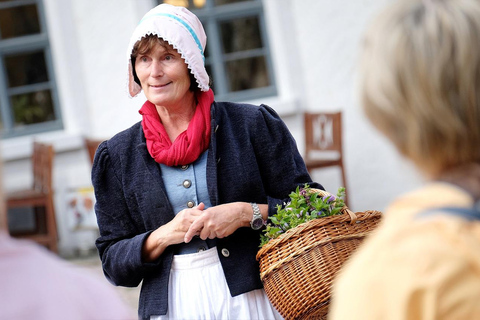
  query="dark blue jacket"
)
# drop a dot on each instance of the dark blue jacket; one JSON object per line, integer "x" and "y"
{"x": 252, "y": 158}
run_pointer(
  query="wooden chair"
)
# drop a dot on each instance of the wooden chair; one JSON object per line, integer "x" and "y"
{"x": 323, "y": 142}
{"x": 92, "y": 145}
{"x": 40, "y": 198}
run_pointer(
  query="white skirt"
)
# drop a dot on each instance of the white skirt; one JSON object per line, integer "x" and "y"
{"x": 197, "y": 289}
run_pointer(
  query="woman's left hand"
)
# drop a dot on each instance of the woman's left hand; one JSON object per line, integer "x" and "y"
{"x": 220, "y": 221}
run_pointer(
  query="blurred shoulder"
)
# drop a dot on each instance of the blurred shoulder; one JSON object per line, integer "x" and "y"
{"x": 433, "y": 258}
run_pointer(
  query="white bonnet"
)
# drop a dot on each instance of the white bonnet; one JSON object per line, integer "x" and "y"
{"x": 181, "y": 29}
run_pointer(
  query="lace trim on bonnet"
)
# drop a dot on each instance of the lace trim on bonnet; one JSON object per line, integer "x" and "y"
{"x": 189, "y": 41}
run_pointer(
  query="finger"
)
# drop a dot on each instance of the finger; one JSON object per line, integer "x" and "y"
{"x": 201, "y": 206}
{"x": 207, "y": 233}
{"x": 194, "y": 229}
{"x": 195, "y": 211}
{"x": 212, "y": 235}
{"x": 204, "y": 234}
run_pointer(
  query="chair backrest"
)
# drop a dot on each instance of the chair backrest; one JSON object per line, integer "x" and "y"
{"x": 92, "y": 145}
{"x": 323, "y": 132}
{"x": 42, "y": 162}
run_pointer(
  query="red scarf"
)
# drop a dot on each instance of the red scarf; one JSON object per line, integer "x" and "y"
{"x": 189, "y": 145}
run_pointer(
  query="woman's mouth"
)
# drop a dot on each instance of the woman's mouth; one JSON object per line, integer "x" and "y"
{"x": 160, "y": 85}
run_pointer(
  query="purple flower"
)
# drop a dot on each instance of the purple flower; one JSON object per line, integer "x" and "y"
{"x": 300, "y": 214}
{"x": 330, "y": 198}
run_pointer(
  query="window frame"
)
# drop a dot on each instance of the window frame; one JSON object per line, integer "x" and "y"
{"x": 27, "y": 44}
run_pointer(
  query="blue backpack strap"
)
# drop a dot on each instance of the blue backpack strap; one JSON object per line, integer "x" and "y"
{"x": 470, "y": 214}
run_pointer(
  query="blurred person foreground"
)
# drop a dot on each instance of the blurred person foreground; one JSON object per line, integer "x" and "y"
{"x": 36, "y": 284}
{"x": 420, "y": 86}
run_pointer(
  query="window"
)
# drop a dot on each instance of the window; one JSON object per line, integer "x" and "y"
{"x": 28, "y": 99}
{"x": 237, "y": 56}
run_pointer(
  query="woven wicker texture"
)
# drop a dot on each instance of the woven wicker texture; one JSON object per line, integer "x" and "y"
{"x": 298, "y": 267}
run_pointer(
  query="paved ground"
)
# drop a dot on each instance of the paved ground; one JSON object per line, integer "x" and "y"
{"x": 92, "y": 264}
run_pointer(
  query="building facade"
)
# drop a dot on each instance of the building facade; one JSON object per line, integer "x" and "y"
{"x": 63, "y": 78}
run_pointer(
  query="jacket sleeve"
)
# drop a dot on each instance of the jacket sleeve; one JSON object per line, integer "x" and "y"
{"x": 120, "y": 242}
{"x": 280, "y": 162}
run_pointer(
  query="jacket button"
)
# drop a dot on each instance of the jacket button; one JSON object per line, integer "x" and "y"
{"x": 225, "y": 253}
{"x": 190, "y": 204}
{"x": 187, "y": 184}
{"x": 184, "y": 167}
{"x": 202, "y": 248}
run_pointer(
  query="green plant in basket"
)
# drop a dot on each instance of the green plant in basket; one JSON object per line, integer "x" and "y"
{"x": 305, "y": 204}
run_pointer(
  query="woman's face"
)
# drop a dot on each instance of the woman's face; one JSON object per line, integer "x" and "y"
{"x": 164, "y": 76}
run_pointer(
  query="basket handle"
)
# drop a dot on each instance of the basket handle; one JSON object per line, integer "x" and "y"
{"x": 353, "y": 216}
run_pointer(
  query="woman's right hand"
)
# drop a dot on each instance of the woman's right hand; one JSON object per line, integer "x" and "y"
{"x": 171, "y": 233}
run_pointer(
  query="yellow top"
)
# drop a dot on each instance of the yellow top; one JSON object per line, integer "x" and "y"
{"x": 412, "y": 268}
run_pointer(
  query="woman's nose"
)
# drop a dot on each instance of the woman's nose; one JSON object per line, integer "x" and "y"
{"x": 157, "y": 69}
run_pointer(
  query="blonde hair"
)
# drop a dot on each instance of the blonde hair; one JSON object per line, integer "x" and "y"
{"x": 420, "y": 80}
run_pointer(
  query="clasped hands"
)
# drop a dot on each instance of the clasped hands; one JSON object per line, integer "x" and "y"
{"x": 215, "y": 222}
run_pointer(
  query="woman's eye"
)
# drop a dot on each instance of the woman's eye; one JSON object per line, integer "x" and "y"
{"x": 143, "y": 59}
{"x": 169, "y": 57}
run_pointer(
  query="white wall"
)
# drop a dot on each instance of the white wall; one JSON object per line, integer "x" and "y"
{"x": 314, "y": 46}
{"x": 103, "y": 38}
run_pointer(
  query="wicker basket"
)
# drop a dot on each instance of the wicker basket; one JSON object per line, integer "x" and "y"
{"x": 298, "y": 267}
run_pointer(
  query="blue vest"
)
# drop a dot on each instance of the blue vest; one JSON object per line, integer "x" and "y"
{"x": 186, "y": 187}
